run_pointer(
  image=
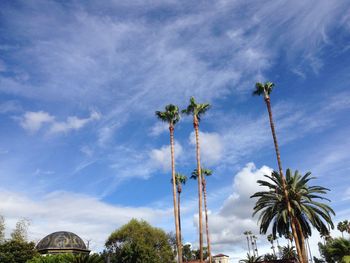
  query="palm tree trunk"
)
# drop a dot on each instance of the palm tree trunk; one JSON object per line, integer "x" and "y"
{"x": 248, "y": 244}
{"x": 206, "y": 217}
{"x": 196, "y": 129}
{"x": 176, "y": 215}
{"x": 302, "y": 241}
{"x": 294, "y": 232}
{"x": 179, "y": 214}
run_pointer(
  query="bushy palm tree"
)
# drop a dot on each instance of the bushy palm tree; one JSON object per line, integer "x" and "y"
{"x": 204, "y": 173}
{"x": 251, "y": 259}
{"x": 288, "y": 252}
{"x": 335, "y": 250}
{"x": 197, "y": 110}
{"x": 306, "y": 210}
{"x": 171, "y": 115}
{"x": 265, "y": 90}
{"x": 180, "y": 180}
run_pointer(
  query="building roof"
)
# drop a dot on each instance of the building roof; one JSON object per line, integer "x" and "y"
{"x": 61, "y": 240}
{"x": 220, "y": 255}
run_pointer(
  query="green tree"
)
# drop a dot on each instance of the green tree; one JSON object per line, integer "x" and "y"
{"x": 335, "y": 250}
{"x": 197, "y": 110}
{"x": 265, "y": 90}
{"x": 171, "y": 116}
{"x": 288, "y": 252}
{"x": 187, "y": 252}
{"x": 20, "y": 232}
{"x": 180, "y": 180}
{"x": 14, "y": 251}
{"x": 68, "y": 258}
{"x": 306, "y": 210}
{"x": 251, "y": 259}
{"x": 2, "y": 229}
{"x": 343, "y": 226}
{"x": 138, "y": 242}
{"x": 205, "y": 172}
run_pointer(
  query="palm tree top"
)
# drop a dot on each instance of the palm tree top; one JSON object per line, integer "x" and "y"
{"x": 263, "y": 88}
{"x": 180, "y": 178}
{"x": 170, "y": 115}
{"x": 196, "y": 109}
{"x": 204, "y": 171}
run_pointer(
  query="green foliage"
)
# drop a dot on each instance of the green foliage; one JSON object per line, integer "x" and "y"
{"x": 288, "y": 252}
{"x": 343, "y": 226}
{"x": 14, "y": 251}
{"x": 303, "y": 199}
{"x": 196, "y": 109}
{"x": 270, "y": 257}
{"x": 335, "y": 249}
{"x": 20, "y": 232}
{"x": 251, "y": 259}
{"x": 171, "y": 114}
{"x": 263, "y": 89}
{"x": 68, "y": 258}
{"x": 138, "y": 242}
{"x": 2, "y": 229}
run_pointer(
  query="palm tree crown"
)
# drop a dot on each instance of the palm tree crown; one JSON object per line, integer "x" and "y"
{"x": 180, "y": 179}
{"x": 170, "y": 115}
{"x": 305, "y": 210}
{"x": 263, "y": 89}
{"x": 196, "y": 109}
{"x": 204, "y": 172}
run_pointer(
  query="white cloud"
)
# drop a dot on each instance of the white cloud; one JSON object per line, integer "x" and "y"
{"x": 57, "y": 211}
{"x": 162, "y": 158}
{"x": 33, "y": 121}
{"x": 210, "y": 146}
{"x": 158, "y": 128}
{"x": 73, "y": 123}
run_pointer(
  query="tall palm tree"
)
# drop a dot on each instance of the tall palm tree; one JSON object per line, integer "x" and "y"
{"x": 204, "y": 173}
{"x": 306, "y": 209}
{"x": 248, "y": 233}
{"x": 197, "y": 110}
{"x": 171, "y": 116}
{"x": 180, "y": 180}
{"x": 265, "y": 90}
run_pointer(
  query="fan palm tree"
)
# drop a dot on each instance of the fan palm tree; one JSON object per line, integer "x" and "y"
{"x": 306, "y": 210}
{"x": 171, "y": 116}
{"x": 180, "y": 180}
{"x": 265, "y": 90}
{"x": 197, "y": 110}
{"x": 204, "y": 173}
{"x": 343, "y": 226}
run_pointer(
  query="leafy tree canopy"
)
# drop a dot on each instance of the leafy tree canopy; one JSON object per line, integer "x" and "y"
{"x": 14, "y": 251}
{"x": 68, "y": 258}
{"x": 138, "y": 242}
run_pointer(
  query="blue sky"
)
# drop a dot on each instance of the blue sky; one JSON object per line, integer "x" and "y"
{"x": 81, "y": 149}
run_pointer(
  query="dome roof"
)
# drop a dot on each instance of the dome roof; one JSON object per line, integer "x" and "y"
{"x": 61, "y": 240}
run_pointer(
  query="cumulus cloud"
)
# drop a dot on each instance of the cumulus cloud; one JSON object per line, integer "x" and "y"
{"x": 57, "y": 211}
{"x": 33, "y": 121}
{"x": 210, "y": 145}
{"x": 73, "y": 123}
{"x": 161, "y": 157}
{"x": 235, "y": 215}
{"x": 158, "y": 128}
